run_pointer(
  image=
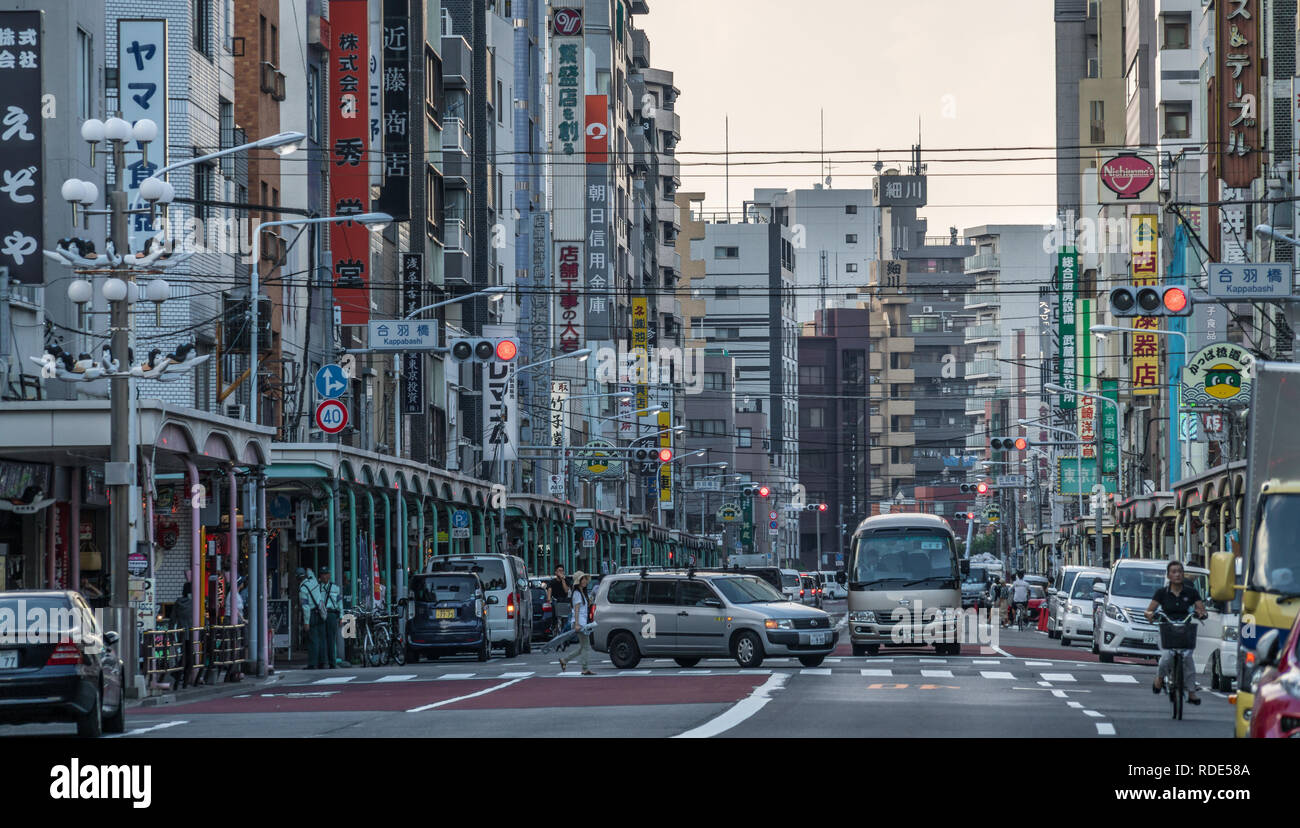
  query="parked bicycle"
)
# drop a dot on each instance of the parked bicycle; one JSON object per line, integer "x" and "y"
{"x": 1177, "y": 636}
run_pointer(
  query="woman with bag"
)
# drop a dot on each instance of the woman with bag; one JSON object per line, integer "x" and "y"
{"x": 582, "y": 623}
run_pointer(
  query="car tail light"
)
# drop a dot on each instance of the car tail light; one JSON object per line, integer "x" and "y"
{"x": 510, "y": 605}
{"x": 65, "y": 653}
{"x": 801, "y": 593}
{"x": 546, "y": 607}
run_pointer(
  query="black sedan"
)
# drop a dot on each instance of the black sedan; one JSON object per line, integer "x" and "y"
{"x": 57, "y": 664}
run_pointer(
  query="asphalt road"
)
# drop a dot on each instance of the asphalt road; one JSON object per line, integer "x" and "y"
{"x": 1027, "y": 686}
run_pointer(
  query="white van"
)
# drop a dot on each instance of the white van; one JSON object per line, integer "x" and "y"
{"x": 832, "y": 590}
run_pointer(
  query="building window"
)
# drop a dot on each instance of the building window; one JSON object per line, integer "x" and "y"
{"x": 201, "y": 26}
{"x": 744, "y": 437}
{"x": 500, "y": 104}
{"x": 313, "y": 103}
{"x": 707, "y": 428}
{"x": 726, "y": 252}
{"x": 697, "y": 327}
{"x": 850, "y": 209}
{"x": 227, "y": 116}
{"x": 85, "y": 74}
{"x": 816, "y": 417}
{"x": 851, "y": 267}
{"x": 1097, "y": 116}
{"x": 925, "y": 324}
{"x": 812, "y": 375}
{"x": 203, "y": 191}
{"x": 1177, "y": 120}
{"x": 850, "y": 238}
{"x": 726, "y": 293}
{"x": 715, "y": 381}
{"x": 1177, "y": 34}
{"x": 726, "y": 333}
{"x": 446, "y": 22}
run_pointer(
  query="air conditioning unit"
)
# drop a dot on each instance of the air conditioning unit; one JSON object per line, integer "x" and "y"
{"x": 927, "y": 309}
{"x": 237, "y": 412}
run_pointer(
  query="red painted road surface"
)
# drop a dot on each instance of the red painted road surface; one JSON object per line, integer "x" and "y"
{"x": 338, "y": 697}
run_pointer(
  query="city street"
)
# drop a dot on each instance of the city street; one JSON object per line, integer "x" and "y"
{"x": 1029, "y": 686}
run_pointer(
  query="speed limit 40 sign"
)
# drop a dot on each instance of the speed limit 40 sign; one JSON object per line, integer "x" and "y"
{"x": 331, "y": 416}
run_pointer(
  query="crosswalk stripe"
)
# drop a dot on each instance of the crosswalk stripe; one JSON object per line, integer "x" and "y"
{"x": 1038, "y": 664}
{"x": 1092, "y": 713}
{"x": 453, "y": 676}
{"x": 516, "y": 675}
{"x": 1114, "y": 679}
{"x": 401, "y": 677}
{"x": 932, "y": 660}
{"x": 1057, "y": 677}
{"x": 815, "y": 671}
{"x": 996, "y": 674}
{"x": 1076, "y": 705}
{"x": 1060, "y": 694}
{"x": 937, "y": 673}
{"x": 986, "y": 661}
{"x": 334, "y": 680}
{"x": 879, "y": 673}
{"x": 1105, "y": 729}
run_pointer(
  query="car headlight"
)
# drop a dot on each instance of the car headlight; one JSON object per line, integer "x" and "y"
{"x": 779, "y": 624}
{"x": 863, "y": 616}
{"x": 1229, "y": 633}
{"x": 1076, "y": 610}
{"x": 1290, "y": 682}
{"x": 1115, "y": 612}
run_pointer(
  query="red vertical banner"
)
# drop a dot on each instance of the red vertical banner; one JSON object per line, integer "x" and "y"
{"x": 349, "y": 157}
{"x": 597, "y": 141}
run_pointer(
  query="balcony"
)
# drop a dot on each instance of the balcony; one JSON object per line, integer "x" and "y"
{"x": 454, "y": 137}
{"x": 898, "y": 376}
{"x": 899, "y": 344}
{"x": 984, "y": 369}
{"x": 986, "y": 332}
{"x": 453, "y": 234}
{"x": 975, "y": 406}
{"x": 977, "y": 301}
{"x": 976, "y": 442}
{"x": 457, "y": 63}
{"x": 640, "y": 49}
{"x": 899, "y": 439}
{"x": 982, "y": 261}
{"x": 455, "y": 172}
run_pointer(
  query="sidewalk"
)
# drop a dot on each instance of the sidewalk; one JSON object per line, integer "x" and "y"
{"x": 249, "y": 682}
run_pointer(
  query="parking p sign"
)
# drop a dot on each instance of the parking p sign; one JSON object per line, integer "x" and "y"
{"x": 588, "y": 538}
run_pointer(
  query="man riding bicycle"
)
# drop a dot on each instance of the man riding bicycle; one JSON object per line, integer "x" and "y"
{"x": 1019, "y": 596}
{"x": 1176, "y": 600}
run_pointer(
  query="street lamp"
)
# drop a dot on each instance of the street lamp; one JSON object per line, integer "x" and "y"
{"x": 376, "y": 221}
{"x": 493, "y": 294}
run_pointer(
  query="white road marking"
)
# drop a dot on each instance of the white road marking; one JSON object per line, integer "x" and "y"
{"x": 334, "y": 680}
{"x": 456, "y": 676}
{"x": 815, "y": 671}
{"x": 740, "y": 711}
{"x": 937, "y": 673}
{"x": 137, "y": 731}
{"x": 997, "y": 650}
{"x": 483, "y": 692}
{"x": 1044, "y": 684}
{"x": 932, "y": 660}
{"x": 882, "y": 673}
{"x": 1038, "y": 664}
{"x": 1075, "y": 705}
{"x": 1057, "y": 676}
{"x": 1092, "y": 713}
{"x": 833, "y": 660}
{"x": 1105, "y": 729}
{"x": 516, "y": 675}
{"x": 623, "y": 673}
{"x": 986, "y": 661}
{"x": 693, "y": 672}
{"x": 400, "y": 677}
{"x": 1114, "y": 679}
{"x": 1060, "y": 694}
{"x": 996, "y": 674}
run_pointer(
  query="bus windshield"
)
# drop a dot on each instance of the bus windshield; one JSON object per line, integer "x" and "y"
{"x": 1275, "y": 559}
{"x": 890, "y": 559}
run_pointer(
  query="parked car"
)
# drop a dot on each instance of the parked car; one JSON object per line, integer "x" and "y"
{"x": 1277, "y": 689}
{"x": 1124, "y": 629}
{"x": 706, "y": 615}
{"x": 1037, "y": 601}
{"x": 810, "y": 590}
{"x": 831, "y": 590}
{"x": 1058, "y": 596}
{"x": 544, "y": 619}
{"x": 1075, "y": 621}
{"x": 447, "y": 613}
{"x": 58, "y": 665}
{"x": 504, "y": 577}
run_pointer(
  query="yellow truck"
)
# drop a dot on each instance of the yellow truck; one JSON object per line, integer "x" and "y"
{"x": 1268, "y": 571}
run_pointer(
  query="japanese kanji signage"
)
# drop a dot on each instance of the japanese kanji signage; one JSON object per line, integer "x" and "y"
{"x": 1075, "y": 477}
{"x": 568, "y": 271}
{"x": 568, "y": 120}
{"x": 1146, "y": 272}
{"x": 600, "y": 219}
{"x": 349, "y": 177}
{"x": 1110, "y": 429}
{"x": 666, "y": 469}
{"x": 412, "y": 363}
{"x": 1067, "y": 284}
{"x": 395, "y": 198}
{"x": 1217, "y": 375}
{"x": 1236, "y": 92}
{"x": 559, "y": 415}
{"x": 500, "y": 404}
{"x": 142, "y": 93}
{"x": 1263, "y": 280}
{"x": 898, "y": 191}
{"x": 640, "y": 351}
{"x": 22, "y": 178}
{"x": 1087, "y": 427}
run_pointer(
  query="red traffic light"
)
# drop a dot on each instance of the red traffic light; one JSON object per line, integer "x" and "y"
{"x": 821, "y": 507}
{"x": 1021, "y": 444}
{"x": 970, "y": 515}
{"x": 665, "y": 455}
{"x": 764, "y": 491}
{"x": 982, "y": 488}
{"x": 507, "y": 349}
{"x": 1175, "y": 300}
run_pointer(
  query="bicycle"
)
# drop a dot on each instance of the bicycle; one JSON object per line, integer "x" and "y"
{"x": 372, "y": 638}
{"x": 1022, "y": 616}
{"x": 1177, "y": 636}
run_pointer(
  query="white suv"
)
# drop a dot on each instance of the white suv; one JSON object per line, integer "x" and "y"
{"x": 1076, "y": 604}
{"x": 1123, "y": 629}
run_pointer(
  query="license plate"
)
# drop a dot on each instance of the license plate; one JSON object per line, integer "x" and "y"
{"x": 1150, "y": 637}
{"x": 8, "y": 659}
{"x": 444, "y": 613}
{"x": 817, "y": 638}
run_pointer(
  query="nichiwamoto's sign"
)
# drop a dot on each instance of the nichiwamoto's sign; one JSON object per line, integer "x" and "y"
{"x": 1217, "y": 375}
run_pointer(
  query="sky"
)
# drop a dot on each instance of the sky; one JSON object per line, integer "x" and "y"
{"x": 974, "y": 79}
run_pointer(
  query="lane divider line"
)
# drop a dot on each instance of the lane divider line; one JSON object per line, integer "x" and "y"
{"x": 483, "y": 692}
{"x": 740, "y": 711}
{"x": 139, "y": 730}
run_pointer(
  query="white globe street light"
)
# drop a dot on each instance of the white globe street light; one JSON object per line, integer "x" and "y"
{"x": 81, "y": 291}
{"x": 92, "y": 131}
{"x": 115, "y": 290}
{"x": 144, "y": 131}
{"x": 116, "y": 129}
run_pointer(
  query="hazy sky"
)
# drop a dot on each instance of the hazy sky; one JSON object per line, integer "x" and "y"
{"x": 975, "y": 74}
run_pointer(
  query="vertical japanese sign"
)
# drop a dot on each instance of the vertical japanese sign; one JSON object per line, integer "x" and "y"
{"x": 349, "y": 177}
{"x": 1110, "y": 431}
{"x": 142, "y": 93}
{"x": 1067, "y": 285}
{"x": 1083, "y": 344}
{"x": 666, "y": 469}
{"x": 500, "y": 403}
{"x": 412, "y": 362}
{"x": 395, "y": 198}
{"x": 640, "y": 352}
{"x": 1146, "y": 272}
{"x": 1236, "y": 92}
{"x": 539, "y": 340}
{"x": 568, "y": 267}
{"x": 1088, "y": 428}
{"x": 559, "y": 417}
{"x": 600, "y": 209}
{"x": 375, "y": 83}
{"x": 22, "y": 196}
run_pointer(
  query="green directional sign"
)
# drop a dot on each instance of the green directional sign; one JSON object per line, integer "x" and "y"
{"x": 1075, "y": 477}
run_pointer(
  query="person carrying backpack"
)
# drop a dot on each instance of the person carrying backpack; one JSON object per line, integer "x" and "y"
{"x": 583, "y": 622}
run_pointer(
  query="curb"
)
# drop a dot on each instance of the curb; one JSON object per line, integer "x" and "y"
{"x": 201, "y": 692}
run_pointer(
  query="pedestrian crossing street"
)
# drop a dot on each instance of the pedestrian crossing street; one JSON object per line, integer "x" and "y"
{"x": 997, "y": 670}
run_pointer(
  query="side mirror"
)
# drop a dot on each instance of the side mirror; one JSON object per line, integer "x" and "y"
{"x": 491, "y": 599}
{"x": 965, "y": 566}
{"x": 1100, "y": 589}
{"x": 712, "y": 602}
{"x": 1051, "y": 591}
{"x": 111, "y": 638}
{"x": 1222, "y": 576}
{"x": 1266, "y": 651}
{"x": 841, "y": 577}
{"x": 521, "y": 584}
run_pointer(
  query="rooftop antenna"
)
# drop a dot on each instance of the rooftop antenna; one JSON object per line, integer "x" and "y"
{"x": 822, "y": 285}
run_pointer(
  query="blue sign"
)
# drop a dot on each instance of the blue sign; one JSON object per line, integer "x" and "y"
{"x": 772, "y": 526}
{"x": 460, "y": 519}
{"x": 588, "y": 534}
{"x": 1251, "y": 281}
{"x": 331, "y": 382}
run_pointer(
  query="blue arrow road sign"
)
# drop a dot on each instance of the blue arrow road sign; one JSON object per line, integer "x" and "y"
{"x": 331, "y": 382}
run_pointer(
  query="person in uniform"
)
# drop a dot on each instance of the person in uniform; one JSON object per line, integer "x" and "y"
{"x": 313, "y": 617}
{"x": 332, "y": 602}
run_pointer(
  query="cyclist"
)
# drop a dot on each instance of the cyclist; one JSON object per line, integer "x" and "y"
{"x": 1177, "y": 600}
{"x": 1019, "y": 595}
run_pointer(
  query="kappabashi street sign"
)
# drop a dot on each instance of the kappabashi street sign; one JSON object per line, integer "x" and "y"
{"x": 331, "y": 416}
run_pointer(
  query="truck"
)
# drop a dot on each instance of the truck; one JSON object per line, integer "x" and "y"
{"x": 1267, "y": 574}
{"x": 756, "y": 559}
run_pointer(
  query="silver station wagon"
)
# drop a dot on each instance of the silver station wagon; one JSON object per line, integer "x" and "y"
{"x": 690, "y": 615}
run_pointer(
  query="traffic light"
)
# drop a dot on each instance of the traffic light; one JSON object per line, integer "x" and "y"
{"x": 967, "y": 488}
{"x": 1150, "y": 301}
{"x": 665, "y": 455}
{"x": 749, "y": 491}
{"x": 982, "y": 487}
{"x": 480, "y": 349}
{"x": 764, "y": 491}
{"x": 815, "y": 507}
{"x": 821, "y": 507}
{"x": 970, "y": 515}
{"x": 1021, "y": 443}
